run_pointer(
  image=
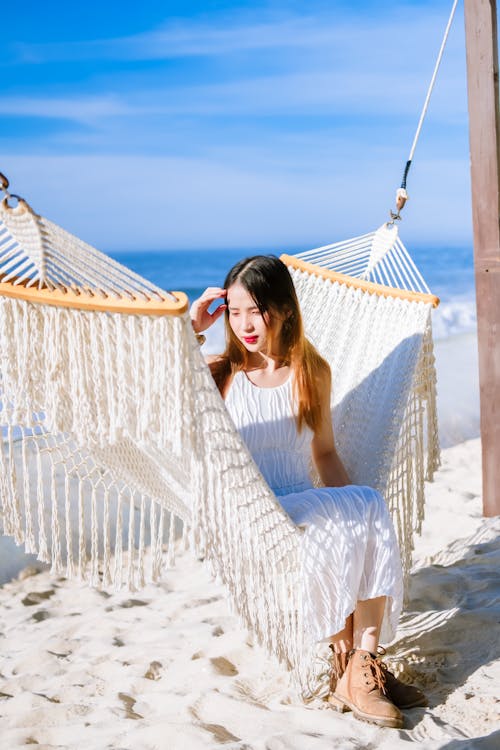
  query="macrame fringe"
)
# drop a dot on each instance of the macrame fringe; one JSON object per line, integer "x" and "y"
{"x": 59, "y": 496}
{"x": 117, "y": 448}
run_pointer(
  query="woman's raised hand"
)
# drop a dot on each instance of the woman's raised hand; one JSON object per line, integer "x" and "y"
{"x": 200, "y": 317}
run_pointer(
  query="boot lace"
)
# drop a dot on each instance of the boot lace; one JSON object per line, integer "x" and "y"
{"x": 382, "y": 652}
{"x": 377, "y": 669}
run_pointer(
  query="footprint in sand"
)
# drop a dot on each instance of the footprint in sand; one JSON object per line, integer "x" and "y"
{"x": 154, "y": 671}
{"x": 223, "y": 666}
{"x": 59, "y": 656}
{"x": 41, "y": 615}
{"x": 219, "y": 732}
{"x": 133, "y": 603}
{"x": 55, "y": 699}
{"x": 36, "y": 597}
{"x": 28, "y": 572}
{"x": 201, "y": 602}
{"x": 129, "y": 704}
{"x": 218, "y": 630}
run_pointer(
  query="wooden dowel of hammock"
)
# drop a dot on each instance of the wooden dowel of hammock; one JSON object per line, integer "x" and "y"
{"x": 90, "y": 300}
{"x": 366, "y": 286}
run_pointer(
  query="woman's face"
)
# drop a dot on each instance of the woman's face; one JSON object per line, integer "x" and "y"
{"x": 247, "y": 322}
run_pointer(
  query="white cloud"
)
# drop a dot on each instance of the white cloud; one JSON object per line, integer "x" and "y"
{"x": 128, "y": 202}
{"x": 84, "y": 109}
{"x": 317, "y": 93}
{"x": 336, "y": 31}
{"x": 323, "y": 65}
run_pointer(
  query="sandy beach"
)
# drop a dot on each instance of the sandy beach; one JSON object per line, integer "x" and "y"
{"x": 170, "y": 667}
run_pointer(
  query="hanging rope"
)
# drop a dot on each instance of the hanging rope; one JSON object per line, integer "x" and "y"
{"x": 401, "y": 195}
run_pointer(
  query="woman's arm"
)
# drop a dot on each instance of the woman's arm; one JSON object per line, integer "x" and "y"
{"x": 326, "y": 459}
{"x": 201, "y": 319}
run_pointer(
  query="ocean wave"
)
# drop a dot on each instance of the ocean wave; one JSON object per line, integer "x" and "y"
{"x": 454, "y": 317}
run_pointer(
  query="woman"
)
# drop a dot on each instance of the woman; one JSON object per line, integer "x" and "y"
{"x": 277, "y": 389}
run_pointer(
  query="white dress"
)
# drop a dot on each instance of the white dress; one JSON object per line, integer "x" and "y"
{"x": 349, "y": 548}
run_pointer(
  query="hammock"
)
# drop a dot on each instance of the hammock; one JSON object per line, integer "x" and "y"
{"x": 116, "y": 442}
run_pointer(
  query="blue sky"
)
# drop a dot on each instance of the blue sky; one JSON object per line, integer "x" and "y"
{"x": 157, "y": 125}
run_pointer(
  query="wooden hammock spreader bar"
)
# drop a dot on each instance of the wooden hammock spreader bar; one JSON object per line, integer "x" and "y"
{"x": 367, "y": 286}
{"x": 87, "y": 300}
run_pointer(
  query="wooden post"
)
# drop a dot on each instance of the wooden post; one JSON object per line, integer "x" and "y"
{"x": 484, "y": 136}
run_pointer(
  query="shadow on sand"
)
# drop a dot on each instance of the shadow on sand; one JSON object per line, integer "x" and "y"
{"x": 451, "y": 629}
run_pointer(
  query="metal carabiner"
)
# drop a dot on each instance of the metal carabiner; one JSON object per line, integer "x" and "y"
{"x": 21, "y": 206}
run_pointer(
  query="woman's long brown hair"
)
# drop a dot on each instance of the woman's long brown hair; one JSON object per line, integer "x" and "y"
{"x": 267, "y": 280}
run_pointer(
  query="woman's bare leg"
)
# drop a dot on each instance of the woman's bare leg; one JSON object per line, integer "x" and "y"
{"x": 367, "y": 621}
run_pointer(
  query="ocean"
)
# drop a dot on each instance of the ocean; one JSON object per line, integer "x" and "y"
{"x": 449, "y": 274}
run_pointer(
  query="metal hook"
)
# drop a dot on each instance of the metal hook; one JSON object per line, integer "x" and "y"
{"x": 22, "y": 205}
{"x": 401, "y": 198}
{"x": 394, "y": 217}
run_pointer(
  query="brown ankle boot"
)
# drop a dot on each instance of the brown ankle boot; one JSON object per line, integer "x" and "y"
{"x": 338, "y": 663}
{"x": 402, "y": 695}
{"x": 362, "y": 689}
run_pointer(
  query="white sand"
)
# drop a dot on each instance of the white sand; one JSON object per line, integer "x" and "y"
{"x": 170, "y": 668}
